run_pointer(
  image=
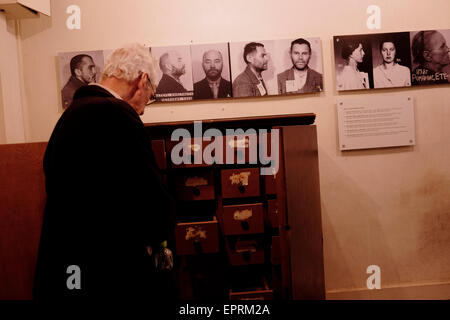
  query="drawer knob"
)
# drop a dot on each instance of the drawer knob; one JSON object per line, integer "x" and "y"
{"x": 196, "y": 191}
{"x": 241, "y": 189}
{"x": 246, "y": 256}
{"x": 245, "y": 225}
{"x": 197, "y": 247}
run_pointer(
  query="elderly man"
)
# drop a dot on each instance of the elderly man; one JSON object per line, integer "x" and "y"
{"x": 250, "y": 82}
{"x": 213, "y": 86}
{"x": 83, "y": 72}
{"x": 431, "y": 53}
{"x": 300, "y": 78}
{"x": 173, "y": 67}
{"x": 107, "y": 209}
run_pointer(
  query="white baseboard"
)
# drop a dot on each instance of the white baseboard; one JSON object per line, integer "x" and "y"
{"x": 410, "y": 291}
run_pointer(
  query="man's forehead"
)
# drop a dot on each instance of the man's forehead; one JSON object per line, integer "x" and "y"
{"x": 212, "y": 55}
{"x": 87, "y": 60}
{"x": 300, "y": 47}
{"x": 260, "y": 50}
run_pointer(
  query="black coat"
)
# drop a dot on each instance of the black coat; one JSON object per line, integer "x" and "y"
{"x": 169, "y": 85}
{"x": 105, "y": 201}
{"x": 203, "y": 91}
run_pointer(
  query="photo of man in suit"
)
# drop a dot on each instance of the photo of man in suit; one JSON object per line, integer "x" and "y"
{"x": 300, "y": 78}
{"x": 213, "y": 86}
{"x": 250, "y": 82}
{"x": 83, "y": 71}
{"x": 173, "y": 67}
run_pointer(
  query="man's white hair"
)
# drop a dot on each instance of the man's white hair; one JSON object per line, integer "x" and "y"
{"x": 129, "y": 62}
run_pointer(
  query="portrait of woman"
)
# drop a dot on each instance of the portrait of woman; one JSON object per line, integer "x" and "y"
{"x": 351, "y": 78}
{"x": 390, "y": 73}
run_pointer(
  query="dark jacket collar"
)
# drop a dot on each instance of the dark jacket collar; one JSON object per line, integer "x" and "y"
{"x": 99, "y": 92}
{"x": 90, "y": 91}
{"x": 251, "y": 75}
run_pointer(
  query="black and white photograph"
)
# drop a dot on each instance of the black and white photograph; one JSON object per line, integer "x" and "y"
{"x": 430, "y": 55}
{"x": 298, "y": 63}
{"x": 391, "y": 60}
{"x": 252, "y": 69}
{"x": 211, "y": 71}
{"x": 353, "y": 62}
{"x": 77, "y": 69}
{"x": 174, "y": 73}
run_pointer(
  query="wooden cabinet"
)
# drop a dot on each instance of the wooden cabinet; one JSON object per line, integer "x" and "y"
{"x": 245, "y": 230}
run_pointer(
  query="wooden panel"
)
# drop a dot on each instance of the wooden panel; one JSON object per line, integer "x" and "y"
{"x": 159, "y": 151}
{"x": 275, "y": 250}
{"x": 22, "y": 202}
{"x": 301, "y": 173}
{"x": 273, "y": 213}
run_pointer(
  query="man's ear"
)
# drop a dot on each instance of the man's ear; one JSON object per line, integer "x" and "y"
{"x": 426, "y": 55}
{"x": 78, "y": 72}
{"x": 249, "y": 57}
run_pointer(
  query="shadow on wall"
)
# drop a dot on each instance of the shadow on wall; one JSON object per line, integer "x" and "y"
{"x": 354, "y": 236}
{"x": 34, "y": 26}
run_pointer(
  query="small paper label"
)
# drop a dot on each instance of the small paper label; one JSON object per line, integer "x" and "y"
{"x": 242, "y": 215}
{"x": 195, "y": 233}
{"x": 261, "y": 89}
{"x": 240, "y": 178}
{"x": 195, "y": 181}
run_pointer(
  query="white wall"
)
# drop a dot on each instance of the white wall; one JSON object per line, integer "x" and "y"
{"x": 11, "y": 113}
{"x": 388, "y": 207}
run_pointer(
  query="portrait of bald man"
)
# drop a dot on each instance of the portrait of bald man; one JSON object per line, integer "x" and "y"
{"x": 173, "y": 67}
{"x": 213, "y": 85}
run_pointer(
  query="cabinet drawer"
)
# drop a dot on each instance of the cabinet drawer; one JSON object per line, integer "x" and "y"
{"x": 244, "y": 252}
{"x": 243, "y": 219}
{"x": 240, "y": 149}
{"x": 197, "y": 237}
{"x": 273, "y": 213}
{"x": 259, "y": 291}
{"x": 240, "y": 183}
{"x": 275, "y": 249}
{"x": 195, "y": 186}
{"x": 159, "y": 152}
{"x": 189, "y": 152}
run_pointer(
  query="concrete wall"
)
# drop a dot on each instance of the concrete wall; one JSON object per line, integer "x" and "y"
{"x": 386, "y": 207}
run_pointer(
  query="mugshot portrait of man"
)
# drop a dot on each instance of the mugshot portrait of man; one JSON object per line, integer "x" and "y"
{"x": 213, "y": 86}
{"x": 82, "y": 72}
{"x": 250, "y": 82}
{"x": 300, "y": 78}
{"x": 431, "y": 53}
{"x": 173, "y": 67}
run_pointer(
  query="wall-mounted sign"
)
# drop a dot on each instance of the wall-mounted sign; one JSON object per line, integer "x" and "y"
{"x": 376, "y": 122}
